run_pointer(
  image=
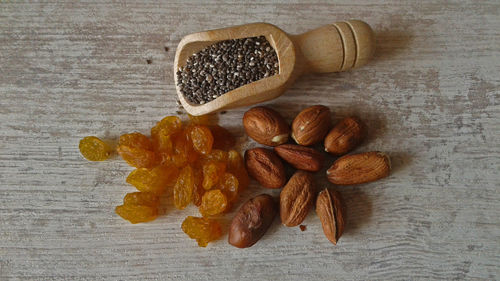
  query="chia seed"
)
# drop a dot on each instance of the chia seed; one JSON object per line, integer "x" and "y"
{"x": 225, "y": 66}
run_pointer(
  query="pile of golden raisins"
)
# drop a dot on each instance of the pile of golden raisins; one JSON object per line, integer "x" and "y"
{"x": 195, "y": 161}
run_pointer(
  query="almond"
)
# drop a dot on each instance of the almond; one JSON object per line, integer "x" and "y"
{"x": 266, "y": 167}
{"x": 266, "y": 126}
{"x": 359, "y": 168}
{"x": 311, "y": 125}
{"x": 252, "y": 220}
{"x": 296, "y": 198}
{"x": 344, "y": 137}
{"x": 301, "y": 157}
{"x": 330, "y": 212}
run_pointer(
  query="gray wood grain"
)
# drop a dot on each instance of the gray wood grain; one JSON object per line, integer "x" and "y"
{"x": 431, "y": 99}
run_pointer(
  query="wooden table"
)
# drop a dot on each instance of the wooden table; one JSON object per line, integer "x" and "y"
{"x": 430, "y": 98}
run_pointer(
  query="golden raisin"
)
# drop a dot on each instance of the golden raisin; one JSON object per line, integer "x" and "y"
{"x": 94, "y": 149}
{"x": 183, "y": 189}
{"x": 236, "y": 166}
{"x": 184, "y": 152}
{"x": 202, "y": 139}
{"x": 136, "y": 150}
{"x": 217, "y": 155}
{"x": 202, "y": 229}
{"x": 198, "y": 187}
{"x": 212, "y": 172}
{"x": 228, "y": 184}
{"x": 169, "y": 125}
{"x": 213, "y": 202}
{"x": 154, "y": 180}
{"x": 223, "y": 139}
{"x": 141, "y": 198}
{"x": 137, "y": 213}
{"x": 162, "y": 142}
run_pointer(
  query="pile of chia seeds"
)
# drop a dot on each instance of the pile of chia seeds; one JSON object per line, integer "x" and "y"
{"x": 225, "y": 66}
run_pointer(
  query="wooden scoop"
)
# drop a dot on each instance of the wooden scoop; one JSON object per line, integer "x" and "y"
{"x": 331, "y": 48}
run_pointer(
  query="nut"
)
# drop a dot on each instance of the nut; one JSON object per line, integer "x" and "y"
{"x": 266, "y": 126}
{"x": 359, "y": 168}
{"x": 266, "y": 167}
{"x": 252, "y": 220}
{"x": 311, "y": 125}
{"x": 344, "y": 137}
{"x": 301, "y": 157}
{"x": 296, "y": 198}
{"x": 330, "y": 211}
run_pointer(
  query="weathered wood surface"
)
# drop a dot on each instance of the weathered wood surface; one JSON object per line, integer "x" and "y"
{"x": 431, "y": 99}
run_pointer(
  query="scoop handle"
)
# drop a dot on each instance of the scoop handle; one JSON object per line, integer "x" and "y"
{"x": 336, "y": 47}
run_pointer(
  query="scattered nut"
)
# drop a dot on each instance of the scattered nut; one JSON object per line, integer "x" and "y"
{"x": 252, "y": 220}
{"x": 344, "y": 137}
{"x": 296, "y": 198}
{"x": 266, "y": 167}
{"x": 359, "y": 168}
{"x": 330, "y": 211}
{"x": 266, "y": 126}
{"x": 301, "y": 157}
{"x": 311, "y": 125}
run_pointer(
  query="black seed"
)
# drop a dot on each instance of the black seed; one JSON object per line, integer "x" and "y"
{"x": 225, "y": 66}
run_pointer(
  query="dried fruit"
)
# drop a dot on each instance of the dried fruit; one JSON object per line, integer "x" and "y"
{"x": 216, "y": 155}
{"x": 212, "y": 172}
{"x": 183, "y": 189}
{"x": 202, "y": 139}
{"x": 236, "y": 166}
{"x": 137, "y": 213}
{"x": 266, "y": 126}
{"x": 330, "y": 211}
{"x": 344, "y": 137}
{"x": 141, "y": 198}
{"x": 198, "y": 187}
{"x": 94, "y": 149}
{"x": 228, "y": 184}
{"x": 169, "y": 124}
{"x": 223, "y": 139}
{"x": 311, "y": 125}
{"x": 184, "y": 152}
{"x": 202, "y": 229}
{"x": 137, "y": 150}
{"x": 252, "y": 220}
{"x": 213, "y": 202}
{"x": 359, "y": 168}
{"x": 301, "y": 157}
{"x": 139, "y": 207}
{"x": 154, "y": 180}
{"x": 266, "y": 167}
{"x": 296, "y": 198}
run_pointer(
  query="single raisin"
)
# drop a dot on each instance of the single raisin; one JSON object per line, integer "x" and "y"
{"x": 202, "y": 139}
{"x": 228, "y": 184}
{"x": 94, "y": 149}
{"x": 183, "y": 189}
{"x": 154, "y": 180}
{"x": 202, "y": 229}
{"x": 213, "y": 202}
{"x": 137, "y": 213}
{"x": 212, "y": 172}
{"x": 169, "y": 125}
{"x": 198, "y": 187}
{"x": 142, "y": 198}
{"x": 136, "y": 150}
{"x": 236, "y": 166}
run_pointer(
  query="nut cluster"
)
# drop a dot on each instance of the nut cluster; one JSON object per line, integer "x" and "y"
{"x": 311, "y": 126}
{"x": 225, "y": 66}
